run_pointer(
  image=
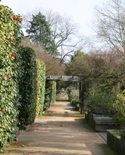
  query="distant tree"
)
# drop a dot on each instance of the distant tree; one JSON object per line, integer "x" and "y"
{"x": 64, "y": 33}
{"x": 52, "y": 64}
{"x": 110, "y": 24}
{"x": 39, "y": 32}
{"x": 106, "y": 68}
{"x": 77, "y": 53}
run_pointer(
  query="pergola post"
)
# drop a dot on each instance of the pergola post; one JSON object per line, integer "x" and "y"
{"x": 81, "y": 97}
{"x": 72, "y": 79}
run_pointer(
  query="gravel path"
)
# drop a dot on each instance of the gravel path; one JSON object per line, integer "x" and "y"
{"x": 59, "y": 131}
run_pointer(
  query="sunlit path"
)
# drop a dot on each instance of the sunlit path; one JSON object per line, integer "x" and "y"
{"x": 59, "y": 132}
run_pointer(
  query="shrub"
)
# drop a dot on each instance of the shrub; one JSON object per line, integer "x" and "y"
{"x": 73, "y": 93}
{"x": 74, "y": 102}
{"x": 99, "y": 101}
{"x": 9, "y": 95}
{"x": 119, "y": 110}
{"x": 50, "y": 94}
{"x": 53, "y": 92}
{"x": 41, "y": 77}
{"x": 27, "y": 85}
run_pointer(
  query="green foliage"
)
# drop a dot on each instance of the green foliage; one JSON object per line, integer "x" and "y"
{"x": 77, "y": 53}
{"x": 27, "y": 85}
{"x": 73, "y": 93}
{"x": 119, "y": 109}
{"x": 74, "y": 102}
{"x": 103, "y": 118}
{"x": 9, "y": 94}
{"x": 40, "y": 32}
{"x": 50, "y": 94}
{"x": 41, "y": 77}
{"x": 53, "y": 92}
{"x": 99, "y": 101}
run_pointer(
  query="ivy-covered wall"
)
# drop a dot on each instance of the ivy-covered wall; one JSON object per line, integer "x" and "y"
{"x": 41, "y": 78}
{"x": 9, "y": 94}
{"x": 50, "y": 94}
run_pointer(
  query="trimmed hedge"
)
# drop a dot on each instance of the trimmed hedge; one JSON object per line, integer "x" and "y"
{"x": 50, "y": 95}
{"x": 9, "y": 94}
{"x": 41, "y": 78}
{"x": 27, "y": 85}
{"x": 22, "y": 80}
{"x": 53, "y": 92}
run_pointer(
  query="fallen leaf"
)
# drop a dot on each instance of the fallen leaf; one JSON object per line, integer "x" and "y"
{"x": 15, "y": 146}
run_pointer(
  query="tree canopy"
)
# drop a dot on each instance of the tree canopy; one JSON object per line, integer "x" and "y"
{"x": 39, "y": 32}
{"x": 110, "y": 24}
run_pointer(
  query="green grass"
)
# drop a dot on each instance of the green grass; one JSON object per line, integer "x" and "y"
{"x": 103, "y": 118}
{"x": 106, "y": 149}
{"x": 116, "y": 133}
{"x": 87, "y": 125}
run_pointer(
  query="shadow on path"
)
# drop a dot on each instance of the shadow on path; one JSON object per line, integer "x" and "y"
{"x": 59, "y": 131}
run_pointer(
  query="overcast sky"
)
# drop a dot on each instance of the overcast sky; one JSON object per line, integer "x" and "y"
{"x": 81, "y": 11}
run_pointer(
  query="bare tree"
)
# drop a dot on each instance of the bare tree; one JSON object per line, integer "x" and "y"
{"x": 110, "y": 24}
{"x": 65, "y": 33}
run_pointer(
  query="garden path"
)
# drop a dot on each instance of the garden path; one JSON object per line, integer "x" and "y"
{"x": 60, "y": 131}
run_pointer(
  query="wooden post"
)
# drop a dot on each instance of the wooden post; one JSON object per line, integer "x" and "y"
{"x": 82, "y": 91}
{"x": 80, "y": 96}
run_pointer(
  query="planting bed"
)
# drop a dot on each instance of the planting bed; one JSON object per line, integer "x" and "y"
{"x": 116, "y": 141}
{"x": 100, "y": 122}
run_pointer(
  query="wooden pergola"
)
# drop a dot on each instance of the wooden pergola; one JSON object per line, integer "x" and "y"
{"x": 63, "y": 78}
{"x": 72, "y": 79}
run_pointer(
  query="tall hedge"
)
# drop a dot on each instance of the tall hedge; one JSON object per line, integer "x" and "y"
{"x": 27, "y": 85}
{"x": 9, "y": 94}
{"x": 50, "y": 94}
{"x": 41, "y": 77}
{"x": 53, "y": 92}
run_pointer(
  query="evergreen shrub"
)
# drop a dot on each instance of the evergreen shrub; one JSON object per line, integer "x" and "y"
{"x": 10, "y": 37}
{"x": 50, "y": 94}
{"x": 41, "y": 77}
{"x": 27, "y": 85}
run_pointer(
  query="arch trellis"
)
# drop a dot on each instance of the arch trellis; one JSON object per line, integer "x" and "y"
{"x": 72, "y": 79}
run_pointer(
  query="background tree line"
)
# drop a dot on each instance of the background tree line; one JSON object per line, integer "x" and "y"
{"x": 56, "y": 37}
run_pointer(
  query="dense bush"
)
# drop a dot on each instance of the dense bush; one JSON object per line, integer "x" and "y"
{"x": 73, "y": 93}
{"x": 50, "y": 94}
{"x": 119, "y": 109}
{"x": 27, "y": 85}
{"x": 9, "y": 95}
{"x": 53, "y": 92}
{"x": 74, "y": 102}
{"x": 99, "y": 101}
{"x": 41, "y": 78}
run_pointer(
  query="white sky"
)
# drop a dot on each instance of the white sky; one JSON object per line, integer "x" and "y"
{"x": 81, "y": 11}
